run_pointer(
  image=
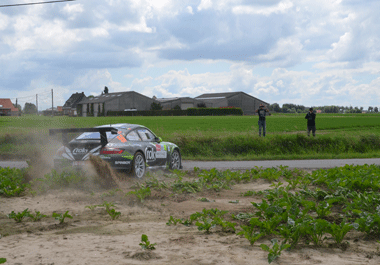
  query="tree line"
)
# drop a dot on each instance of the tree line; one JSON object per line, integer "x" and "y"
{"x": 293, "y": 108}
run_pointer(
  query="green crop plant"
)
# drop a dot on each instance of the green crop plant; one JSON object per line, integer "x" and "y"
{"x": 154, "y": 183}
{"x": 186, "y": 186}
{"x": 363, "y": 202}
{"x": 294, "y": 230}
{"x": 57, "y": 180}
{"x": 145, "y": 243}
{"x": 270, "y": 174}
{"x": 368, "y": 223}
{"x": 267, "y": 211}
{"x": 107, "y": 205}
{"x": 225, "y": 225}
{"x": 114, "y": 215}
{"x": 205, "y": 223}
{"x": 141, "y": 193}
{"x": 338, "y": 232}
{"x": 91, "y": 207}
{"x": 268, "y": 226}
{"x": 18, "y": 217}
{"x": 37, "y": 216}
{"x": 3, "y": 260}
{"x": 322, "y": 209}
{"x": 203, "y": 200}
{"x": 178, "y": 173}
{"x": 173, "y": 221}
{"x": 250, "y": 233}
{"x": 275, "y": 251}
{"x": 317, "y": 229}
{"x": 61, "y": 217}
{"x": 12, "y": 181}
{"x": 248, "y": 193}
{"x": 242, "y": 216}
{"x": 110, "y": 193}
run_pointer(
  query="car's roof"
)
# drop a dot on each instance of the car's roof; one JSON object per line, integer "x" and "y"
{"x": 126, "y": 126}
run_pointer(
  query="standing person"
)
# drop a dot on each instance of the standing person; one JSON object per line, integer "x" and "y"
{"x": 262, "y": 113}
{"x": 310, "y": 116}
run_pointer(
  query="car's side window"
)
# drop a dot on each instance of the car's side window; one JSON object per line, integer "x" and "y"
{"x": 146, "y": 135}
{"x": 133, "y": 136}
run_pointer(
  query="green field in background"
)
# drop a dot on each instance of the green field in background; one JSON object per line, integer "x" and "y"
{"x": 218, "y": 124}
{"x": 213, "y": 138}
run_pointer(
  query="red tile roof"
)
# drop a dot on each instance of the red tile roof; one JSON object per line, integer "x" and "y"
{"x": 7, "y": 103}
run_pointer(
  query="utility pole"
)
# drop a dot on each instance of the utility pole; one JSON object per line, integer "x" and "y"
{"x": 52, "y": 105}
{"x": 37, "y": 103}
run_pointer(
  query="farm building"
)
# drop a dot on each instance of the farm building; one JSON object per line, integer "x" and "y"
{"x": 119, "y": 101}
{"x": 184, "y": 103}
{"x": 70, "y": 107}
{"x": 7, "y": 108}
{"x": 232, "y": 99}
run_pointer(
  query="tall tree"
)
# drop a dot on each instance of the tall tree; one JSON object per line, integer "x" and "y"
{"x": 155, "y": 106}
{"x": 30, "y": 108}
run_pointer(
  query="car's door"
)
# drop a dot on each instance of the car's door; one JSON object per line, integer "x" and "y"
{"x": 154, "y": 153}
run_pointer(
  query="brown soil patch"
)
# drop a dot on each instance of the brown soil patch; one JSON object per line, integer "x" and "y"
{"x": 92, "y": 237}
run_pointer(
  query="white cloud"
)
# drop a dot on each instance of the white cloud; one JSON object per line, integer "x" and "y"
{"x": 138, "y": 27}
{"x": 72, "y": 10}
{"x": 4, "y": 21}
{"x": 205, "y": 4}
{"x": 281, "y": 7}
{"x": 318, "y": 52}
{"x": 189, "y": 9}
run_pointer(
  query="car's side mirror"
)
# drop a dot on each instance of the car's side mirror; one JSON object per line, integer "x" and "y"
{"x": 158, "y": 139}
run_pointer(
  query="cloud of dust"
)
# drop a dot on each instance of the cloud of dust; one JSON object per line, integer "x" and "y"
{"x": 106, "y": 176}
{"x": 41, "y": 155}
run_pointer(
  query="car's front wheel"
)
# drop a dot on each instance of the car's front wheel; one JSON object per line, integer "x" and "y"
{"x": 139, "y": 168}
{"x": 176, "y": 161}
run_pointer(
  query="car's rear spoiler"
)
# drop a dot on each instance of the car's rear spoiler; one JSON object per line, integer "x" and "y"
{"x": 102, "y": 131}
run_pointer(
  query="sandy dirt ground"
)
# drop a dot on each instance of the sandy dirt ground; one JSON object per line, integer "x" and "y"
{"x": 91, "y": 237}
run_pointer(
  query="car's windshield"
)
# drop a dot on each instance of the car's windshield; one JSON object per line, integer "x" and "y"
{"x": 95, "y": 135}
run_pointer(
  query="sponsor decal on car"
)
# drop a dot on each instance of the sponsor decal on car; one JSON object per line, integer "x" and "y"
{"x": 150, "y": 154}
{"x": 161, "y": 154}
{"x": 80, "y": 151}
{"x": 121, "y": 138}
{"x": 122, "y": 162}
{"x": 128, "y": 157}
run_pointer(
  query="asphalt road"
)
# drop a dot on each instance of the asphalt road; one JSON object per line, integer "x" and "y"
{"x": 242, "y": 165}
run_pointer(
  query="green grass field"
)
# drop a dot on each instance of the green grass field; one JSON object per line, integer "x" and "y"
{"x": 276, "y": 123}
{"x": 220, "y": 137}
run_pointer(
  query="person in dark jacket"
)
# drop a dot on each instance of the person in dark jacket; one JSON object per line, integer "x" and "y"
{"x": 262, "y": 113}
{"x": 310, "y": 116}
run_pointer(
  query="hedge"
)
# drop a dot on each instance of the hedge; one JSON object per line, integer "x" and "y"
{"x": 214, "y": 111}
{"x": 188, "y": 112}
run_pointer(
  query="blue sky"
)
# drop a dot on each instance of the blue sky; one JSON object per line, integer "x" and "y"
{"x": 304, "y": 52}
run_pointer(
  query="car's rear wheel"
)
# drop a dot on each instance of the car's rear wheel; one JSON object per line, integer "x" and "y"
{"x": 139, "y": 168}
{"x": 175, "y": 161}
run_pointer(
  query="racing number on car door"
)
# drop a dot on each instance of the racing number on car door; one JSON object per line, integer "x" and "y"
{"x": 154, "y": 153}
